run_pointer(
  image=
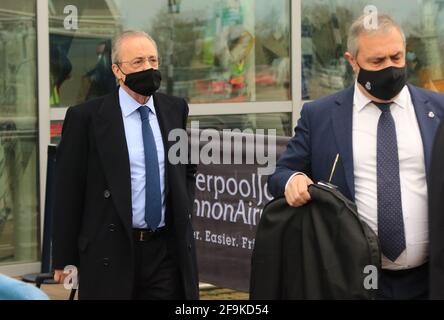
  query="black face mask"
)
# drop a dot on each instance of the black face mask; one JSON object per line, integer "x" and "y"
{"x": 383, "y": 84}
{"x": 144, "y": 82}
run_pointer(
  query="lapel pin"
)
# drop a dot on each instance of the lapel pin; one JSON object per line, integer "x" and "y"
{"x": 431, "y": 115}
{"x": 334, "y": 167}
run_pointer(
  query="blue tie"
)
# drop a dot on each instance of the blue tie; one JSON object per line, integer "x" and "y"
{"x": 153, "y": 199}
{"x": 390, "y": 221}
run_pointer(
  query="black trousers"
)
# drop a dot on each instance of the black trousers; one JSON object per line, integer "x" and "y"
{"x": 157, "y": 276}
{"x": 411, "y": 284}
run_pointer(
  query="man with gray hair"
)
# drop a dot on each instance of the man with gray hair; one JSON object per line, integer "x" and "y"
{"x": 122, "y": 213}
{"x": 373, "y": 141}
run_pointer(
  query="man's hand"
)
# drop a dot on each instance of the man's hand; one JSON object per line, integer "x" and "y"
{"x": 296, "y": 192}
{"x": 59, "y": 276}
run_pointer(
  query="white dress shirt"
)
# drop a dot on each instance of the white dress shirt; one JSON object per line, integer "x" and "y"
{"x": 134, "y": 140}
{"x": 412, "y": 173}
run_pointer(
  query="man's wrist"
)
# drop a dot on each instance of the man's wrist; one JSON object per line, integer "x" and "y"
{"x": 292, "y": 176}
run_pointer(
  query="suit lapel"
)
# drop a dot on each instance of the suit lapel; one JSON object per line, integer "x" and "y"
{"x": 342, "y": 118}
{"x": 428, "y": 121}
{"x": 113, "y": 151}
{"x": 162, "y": 111}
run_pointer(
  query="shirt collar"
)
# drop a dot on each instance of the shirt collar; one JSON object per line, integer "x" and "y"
{"x": 129, "y": 105}
{"x": 403, "y": 98}
{"x": 361, "y": 100}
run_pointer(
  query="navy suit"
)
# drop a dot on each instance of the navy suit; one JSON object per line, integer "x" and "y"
{"x": 325, "y": 130}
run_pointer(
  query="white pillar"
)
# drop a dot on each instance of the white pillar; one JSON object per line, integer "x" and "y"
{"x": 249, "y": 11}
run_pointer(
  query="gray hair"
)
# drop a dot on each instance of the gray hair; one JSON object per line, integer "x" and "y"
{"x": 117, "y": 42}
{"x": 385, "y": 22}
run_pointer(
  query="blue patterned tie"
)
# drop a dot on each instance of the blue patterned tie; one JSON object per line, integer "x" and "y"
{"x": 390, "y": 221}
{"x": 153, "y": 199}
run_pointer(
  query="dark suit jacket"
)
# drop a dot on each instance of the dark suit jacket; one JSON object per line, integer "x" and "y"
{"x": 317, "y": 251}
{"x": 436, "y": 222}
{"x": 92, "y": 226}
{"x": 325, "y": 129}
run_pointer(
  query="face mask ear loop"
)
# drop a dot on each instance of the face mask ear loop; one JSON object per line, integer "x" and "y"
{"x": 357, "y": 63}
{"x": 121, "y": 69}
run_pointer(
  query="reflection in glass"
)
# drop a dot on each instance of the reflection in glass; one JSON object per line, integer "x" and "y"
{"x": 212, "y": 50}
{"x": 56, "y": 127}
{"x": 325, "y": 26}
{"x": 19, "y": 193}
{"x": 281, "y": 122}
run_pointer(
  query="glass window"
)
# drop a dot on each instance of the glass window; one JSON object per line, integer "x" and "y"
{"x": 324, "y": 41}
{"x": 281, "y": 122}
{"x": 211, "y": 50}
{"x": 19, "y": 192}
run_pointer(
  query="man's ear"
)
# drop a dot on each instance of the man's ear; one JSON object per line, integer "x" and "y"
{"x": 349, "y": 57}
{"x": 117, "y": 72}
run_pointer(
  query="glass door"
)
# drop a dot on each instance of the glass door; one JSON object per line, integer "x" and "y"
{"x": 19, "y": 191}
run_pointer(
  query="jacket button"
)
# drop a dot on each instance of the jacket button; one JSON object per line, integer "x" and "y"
{"x": 106, "y": 194}
{"x": 189, "y": 216}
{"x": 106, "y": 262}
{"x": 112, "y": 227}
{"x": 189, "y": 247}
